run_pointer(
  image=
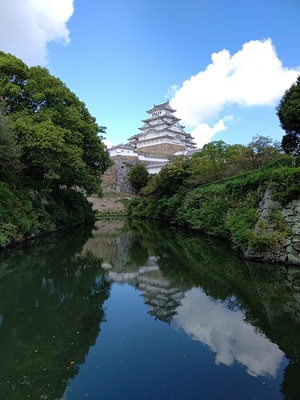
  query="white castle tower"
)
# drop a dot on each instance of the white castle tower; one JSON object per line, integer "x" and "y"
{"x": 161, "y": 134}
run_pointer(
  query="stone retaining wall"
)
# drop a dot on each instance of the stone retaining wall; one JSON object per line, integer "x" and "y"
{"x": 115, "y": 177}
{"x": 281, "y": 225}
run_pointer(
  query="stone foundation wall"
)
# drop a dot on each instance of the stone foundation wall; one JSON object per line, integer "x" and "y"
{"x": 118, "y": 176}
{"x": 280, "y": 225}
{"x": 163, "y": 149}
{"x": 108, "y": 182}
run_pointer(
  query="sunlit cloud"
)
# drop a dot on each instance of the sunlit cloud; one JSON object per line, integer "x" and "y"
{"x": 108, "y": 143}
{"x": 27, "y": 26}
{"x": 253, "y": 76}
{"x": 203, "y": 133}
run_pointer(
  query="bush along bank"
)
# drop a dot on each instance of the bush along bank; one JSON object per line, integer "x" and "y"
{"x": 258, "y": 212}
{"x": 28, "y": 213}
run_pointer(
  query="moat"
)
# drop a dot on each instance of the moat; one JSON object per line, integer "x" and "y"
{"x": 133, "y": 310}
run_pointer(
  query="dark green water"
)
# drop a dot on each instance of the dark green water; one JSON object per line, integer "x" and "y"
{"x": 135, "y": 311}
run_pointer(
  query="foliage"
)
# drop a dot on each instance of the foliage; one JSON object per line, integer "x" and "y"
{"x": 69, "y": 208}
{"x": 59, "y": 138}
{"x": 285, "y": 184}
{"x": 201, "y": 171}
{"x": 216, "y": 161}
{"x": 10, "y": 150}
{"x": 17, "y": 216}
{"x": 208, "y": 164}
{"x": 205, "y": 209}
{"x": 240, "y": 222}
{"x": 284, "y": 161}
{"x": 172, "y": 176}
{"x": 167, "y": 207}
{"x": 142, "y": 207}
{"x": 215, "y": 151}
{"x": 151, "y": 188}
{"x": 288, "y": 112}
{"x": 51, "y": 153}
{"x": 229, "y": 208}
{"x": 25, "y": 213}
{"x": 138, "y": 176}
{"x": 264, "y": 150}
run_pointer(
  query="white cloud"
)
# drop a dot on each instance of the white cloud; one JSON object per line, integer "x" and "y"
{"x": 26, "y": 26}
{"x": 203, "y": 133}
{"x": 254, "y": 76}
{"x": 108, "y": 143}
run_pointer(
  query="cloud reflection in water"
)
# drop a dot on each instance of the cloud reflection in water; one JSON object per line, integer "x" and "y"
{"x": 227, "y": 334}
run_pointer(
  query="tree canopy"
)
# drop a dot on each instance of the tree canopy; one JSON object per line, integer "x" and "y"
{"x": 59, "y": 138}
{"x": 217, "y": 160}
{"x": 10, "y": 151}
{"x": 138, "y": 176}
{"x": 263, "y": 150}
{"x": 288, "y": 112}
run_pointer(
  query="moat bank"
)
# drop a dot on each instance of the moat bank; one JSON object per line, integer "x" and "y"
{"x": 258, "y": 212}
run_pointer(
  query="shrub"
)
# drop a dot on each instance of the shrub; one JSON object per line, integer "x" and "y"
{"x": 138, "y": 176}
{"x": 240, "y": 222}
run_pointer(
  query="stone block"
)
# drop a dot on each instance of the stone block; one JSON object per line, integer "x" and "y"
{"x": 293, "y": 259}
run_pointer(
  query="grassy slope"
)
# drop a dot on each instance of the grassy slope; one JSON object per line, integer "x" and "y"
{"x": 228, "y": 208}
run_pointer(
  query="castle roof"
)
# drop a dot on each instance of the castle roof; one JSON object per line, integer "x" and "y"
{"x": 160, "y": 117}
{"x": 126, "y": 146}
{"x": 165, "y": 106}
{"x": 159, "y": 125}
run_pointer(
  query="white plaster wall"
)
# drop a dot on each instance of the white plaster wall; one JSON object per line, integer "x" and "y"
{"x": 122, "y": 152}
{"x": 153, "y": 170}
{"x": 156, "y": 159}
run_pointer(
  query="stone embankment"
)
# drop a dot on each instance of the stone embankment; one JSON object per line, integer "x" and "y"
{"x": 280, "y": 225}
{"x": 108, "y": 205}
{"x": 116, "y": 176}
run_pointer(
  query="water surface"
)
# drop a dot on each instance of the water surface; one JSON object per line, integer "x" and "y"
{"x": 132, "y": 310}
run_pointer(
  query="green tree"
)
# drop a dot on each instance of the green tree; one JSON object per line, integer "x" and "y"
{"x": 288, "y": 112}
{"x": 263, "y": 150}
{"x": 172, "y": 176}
{"x": 238, "y": 159}
{"x": 10, "y": 151}
{"x": 59, "y": 138}
{"x": 215, "y": 151}
{"x": 215, "y": 161}
{"x": 138, "y": 176}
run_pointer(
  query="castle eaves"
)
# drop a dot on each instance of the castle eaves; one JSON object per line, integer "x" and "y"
{"x": 165, "y": 106}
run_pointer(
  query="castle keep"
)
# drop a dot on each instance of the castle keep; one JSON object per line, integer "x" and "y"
{"x": 161, "y": 133}
{"x": 160, "y": 137}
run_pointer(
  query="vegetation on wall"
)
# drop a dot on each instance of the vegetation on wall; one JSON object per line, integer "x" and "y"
{"x": 219, "y": 205}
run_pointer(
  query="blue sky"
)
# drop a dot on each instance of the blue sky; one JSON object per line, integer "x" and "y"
{"x": 223, "y": 65}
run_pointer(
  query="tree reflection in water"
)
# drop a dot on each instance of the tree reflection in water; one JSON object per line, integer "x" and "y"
{"x": 51, "y": 311}
{"x": 265, "y": 296}
{"x": 52, "y": 295}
